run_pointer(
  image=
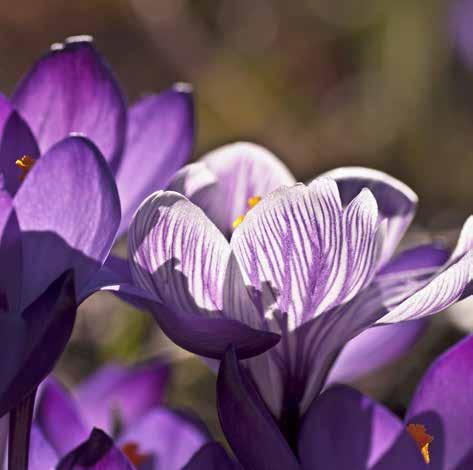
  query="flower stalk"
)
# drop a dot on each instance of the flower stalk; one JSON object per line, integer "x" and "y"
{"x": 19, "y": 435}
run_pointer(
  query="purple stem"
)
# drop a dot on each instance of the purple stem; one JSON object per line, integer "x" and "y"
{"x": 19, "y": 436}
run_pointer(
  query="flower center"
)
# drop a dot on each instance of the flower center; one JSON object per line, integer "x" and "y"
{"x": 252, "y": 201}
{"x": 132, "y": 451}
{"x": 419, "y": 434}
{"x": 25, "y": 163}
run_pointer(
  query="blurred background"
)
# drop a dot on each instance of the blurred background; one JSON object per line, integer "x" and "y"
{"x": 322, "y": 83}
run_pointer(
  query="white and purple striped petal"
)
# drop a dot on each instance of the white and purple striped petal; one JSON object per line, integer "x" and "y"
{"x": 396, "y": 201}
{"x": 451, "y": 284}
{"x": 301, "y": 251}
{"x": 178, "y": 254}
{"x": 296, "y": 370}
{"x": 181, "y": 259}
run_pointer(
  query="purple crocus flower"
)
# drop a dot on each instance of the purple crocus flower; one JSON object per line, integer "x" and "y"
{"x": 71, "y": 89}
{"x": 312, "y": 264}
{"x": 59, "y": 203}
{"x": 344, "y": 429}
{"x": 51, "y": 224}
{"x": 125, "y": 403}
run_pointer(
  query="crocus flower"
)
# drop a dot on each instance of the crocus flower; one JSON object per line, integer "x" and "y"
{"x": 311, "y": 263}
{"x": 344, "y": 429}
{"x": 125, "y": 403}
{"x": 62, "y": 217}
{"x": 71, "y": 89}
{"x": 59, "y": 203}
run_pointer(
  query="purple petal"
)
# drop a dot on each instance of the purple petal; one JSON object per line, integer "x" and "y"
{"x": 195, "y": 181}
{"x": 115, "y": 276}
{"x": 69, "y": 211}
{"x": 242, "y": 170}
{"x": 42, "y": 455}
{"x": 211, "y": 336}
{"x": 127, "y": 393}
{"x": 396, "y": 201}
{"x": 247, "y": 424}
{"x": 178, "y": 256}
{"x": 97, "y": 453}
{"x": 71, "y": 89}
{"x": 11, "y": 256}
{"x": 17, "y": 141}
{"x": 57, "y": 412}
{"x": 375, "y": 348}
{"x": 446, "y": 289}
{"x": 442, "y": 403}
{"x": 380, "y": 345}
{"x": 45, "y": 331}
{"x": 170, "y": 438}
{"x": 211, "y": 456}
{"x": 159, "y": 141}
{"x": 344, "y": 429}
{"x": 5, "y": 111}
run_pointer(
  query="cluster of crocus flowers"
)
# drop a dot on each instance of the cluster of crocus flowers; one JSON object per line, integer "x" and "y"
{"x": 284, "y": 286}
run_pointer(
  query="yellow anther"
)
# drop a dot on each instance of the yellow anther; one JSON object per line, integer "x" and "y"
{"x": 131, "y": 450}
{"x": 253, "y": 201}
{"x": 238, "y": 221}
{"x": 419, "y": 434}
{"x": 25, "y": 163}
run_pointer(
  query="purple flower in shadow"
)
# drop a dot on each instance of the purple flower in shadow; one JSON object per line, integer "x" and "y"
{"x": 344, "y": 429}
{"x": 125, "y": 403}
{"x": 69, "y": 152}
{"x": 312, "y": 264}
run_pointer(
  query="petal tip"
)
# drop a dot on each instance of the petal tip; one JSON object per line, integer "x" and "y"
{"x": 79, "y": 38}
{"x": 183, "y": 87}
{"x": 370, "y": 173}
{"x": 56, "y": 46}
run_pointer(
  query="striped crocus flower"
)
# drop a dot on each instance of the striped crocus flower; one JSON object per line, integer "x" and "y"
{"x": 225, "y": 258}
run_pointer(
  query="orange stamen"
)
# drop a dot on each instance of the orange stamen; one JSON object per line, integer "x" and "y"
{"x": 131, "y": 450}
{"x": 419, "y": 434}
{"x": 253, "y": 201}
{"x": 25, "y": 163}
